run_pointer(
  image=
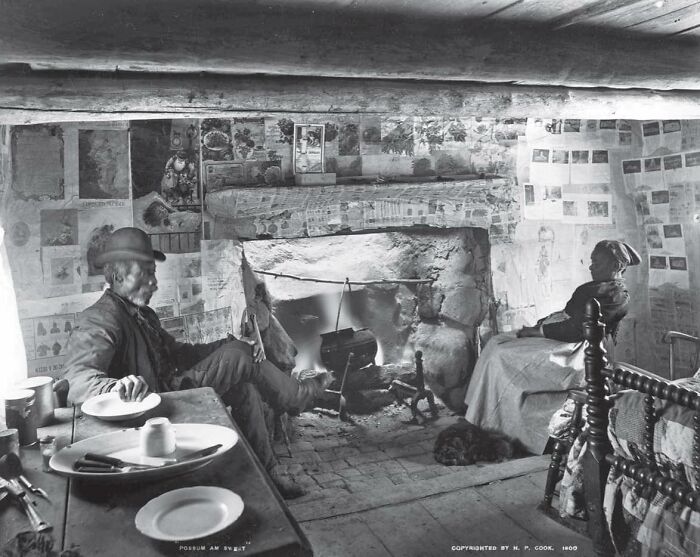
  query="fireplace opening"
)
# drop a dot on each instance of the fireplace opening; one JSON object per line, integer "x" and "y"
{"x": 441, "y": 318}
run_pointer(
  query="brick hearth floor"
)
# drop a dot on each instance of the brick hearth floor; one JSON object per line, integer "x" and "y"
{"x": 374, "y": 488}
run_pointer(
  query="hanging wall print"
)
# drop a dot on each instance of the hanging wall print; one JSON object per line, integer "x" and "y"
{"x": 308, "y": 148}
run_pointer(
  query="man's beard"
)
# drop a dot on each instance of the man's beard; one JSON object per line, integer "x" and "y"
{"x": 140, "y": 299}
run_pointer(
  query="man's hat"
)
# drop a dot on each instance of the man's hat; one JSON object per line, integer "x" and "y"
{"x": 128, "y": 244}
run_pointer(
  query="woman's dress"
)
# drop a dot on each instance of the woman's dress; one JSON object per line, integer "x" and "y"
{"x": 518, "y": 383}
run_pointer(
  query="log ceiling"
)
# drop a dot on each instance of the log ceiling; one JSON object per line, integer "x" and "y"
{"x": 198, "y": 56}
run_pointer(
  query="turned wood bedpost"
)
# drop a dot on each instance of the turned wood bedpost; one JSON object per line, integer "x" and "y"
{"x": 595, "y": 468}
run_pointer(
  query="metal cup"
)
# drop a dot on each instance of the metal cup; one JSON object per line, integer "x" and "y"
{"x": 44, "y": 403}
{"x": 20, "y": 415}
{"x": 9, "y": 442}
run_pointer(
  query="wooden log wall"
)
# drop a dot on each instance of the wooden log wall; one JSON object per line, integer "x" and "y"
{"x": 54, "y": 96}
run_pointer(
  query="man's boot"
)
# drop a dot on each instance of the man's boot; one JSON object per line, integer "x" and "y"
{"x": 286, "y": 484}
{"x": 310, "y": 389}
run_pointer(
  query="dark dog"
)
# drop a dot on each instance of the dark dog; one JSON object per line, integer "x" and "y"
{"x": 464, "y": 443}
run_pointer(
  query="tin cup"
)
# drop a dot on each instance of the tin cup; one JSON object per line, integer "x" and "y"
{"x": 9, "y": 442}
{"x": 44, "y": 402}
{"x": 20, "y": 415}
{"x": 157, "y": 437}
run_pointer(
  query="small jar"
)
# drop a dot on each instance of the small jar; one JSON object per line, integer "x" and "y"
{"x": 157, "y": 437}
{"x": 47, "y": 447}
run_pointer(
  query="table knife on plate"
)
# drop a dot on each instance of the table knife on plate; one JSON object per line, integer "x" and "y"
{"x": 93, "y": 462}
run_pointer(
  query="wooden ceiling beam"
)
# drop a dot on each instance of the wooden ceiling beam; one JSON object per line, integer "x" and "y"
{"x": 33, "y": 97}
{"x": 589, "y": 11}
{"x": 247, "y": 37}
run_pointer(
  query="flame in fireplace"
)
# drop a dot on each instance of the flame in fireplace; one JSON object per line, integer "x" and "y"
{"x": 379, "y": 358}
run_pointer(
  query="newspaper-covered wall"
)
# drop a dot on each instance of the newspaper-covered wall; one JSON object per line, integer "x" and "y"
{"x": 68, "y": 186}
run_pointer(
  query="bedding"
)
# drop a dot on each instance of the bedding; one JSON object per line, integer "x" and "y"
{"x": 660, "y": 526}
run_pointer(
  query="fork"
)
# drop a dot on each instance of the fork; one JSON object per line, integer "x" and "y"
{"x": 33, "y": 488}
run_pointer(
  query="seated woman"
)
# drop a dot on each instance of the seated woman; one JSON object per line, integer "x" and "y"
{"x": 518, "y": 383}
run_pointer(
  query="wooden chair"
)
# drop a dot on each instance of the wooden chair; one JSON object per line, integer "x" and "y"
{"x": 673, "y": 339}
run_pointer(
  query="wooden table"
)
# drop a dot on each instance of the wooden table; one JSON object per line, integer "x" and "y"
{"x": 97, "y": 519}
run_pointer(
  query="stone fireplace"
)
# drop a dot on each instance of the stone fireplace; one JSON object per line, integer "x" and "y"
{"x": 441, "y": 318}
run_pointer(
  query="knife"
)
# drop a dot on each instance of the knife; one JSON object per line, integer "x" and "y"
{"x": 35, "y": 519}
{"x": 103, "y": 463}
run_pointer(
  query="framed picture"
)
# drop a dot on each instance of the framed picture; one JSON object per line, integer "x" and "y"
{"x": 308, "y": 148}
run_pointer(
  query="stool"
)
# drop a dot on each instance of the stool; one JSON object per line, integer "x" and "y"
{"x": 562, "y": 447}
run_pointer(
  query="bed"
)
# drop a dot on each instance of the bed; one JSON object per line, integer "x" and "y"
{"x": 634, "y": 473}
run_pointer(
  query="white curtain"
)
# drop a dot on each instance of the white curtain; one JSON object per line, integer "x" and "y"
{"x": 13, "y": 367}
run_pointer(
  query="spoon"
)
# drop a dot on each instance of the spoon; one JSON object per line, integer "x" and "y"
{"x": 11, "y": 467}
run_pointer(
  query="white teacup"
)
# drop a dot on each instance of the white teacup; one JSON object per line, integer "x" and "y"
{"x": 157, "y": 437}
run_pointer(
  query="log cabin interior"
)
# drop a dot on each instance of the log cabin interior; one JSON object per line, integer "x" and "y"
{"x": 408, "y": 179}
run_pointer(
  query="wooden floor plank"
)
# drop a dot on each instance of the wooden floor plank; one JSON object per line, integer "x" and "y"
{"x": 409, "y": 530}
{"x": 347, "y": 536}
{"x": 469, "y": 476}
{"x": 518, "y": 500}
{"x": 473, "y": 520}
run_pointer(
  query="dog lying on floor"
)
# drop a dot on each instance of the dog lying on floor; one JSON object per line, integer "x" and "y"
{"x": 463, "y": 443}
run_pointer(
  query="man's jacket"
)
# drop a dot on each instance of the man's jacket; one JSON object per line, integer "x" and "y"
{"x": 114, "y": 338}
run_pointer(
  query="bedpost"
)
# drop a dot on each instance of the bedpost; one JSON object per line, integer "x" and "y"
{"x": 595, "y": 468}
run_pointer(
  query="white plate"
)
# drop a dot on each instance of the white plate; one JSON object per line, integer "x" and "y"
{"x": 111, "y": 408}
{"x": 189, "y": 513}
{"x": 124, "y": 444}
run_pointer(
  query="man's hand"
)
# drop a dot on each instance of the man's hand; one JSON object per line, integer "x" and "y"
{"x": 132, "y": 388}
{"x": 258, "y": 352}
{"x": 535, "y": 331}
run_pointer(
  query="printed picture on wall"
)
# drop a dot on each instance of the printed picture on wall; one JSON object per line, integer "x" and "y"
{"x": 625, "y": 138}
{"x": 660, "y": 196}
{"x": 529, "y": 194}
{"x": 692, "y": 159}
{"x": 654, "y": 239}
{"x": 678, "y": 263}
{"x": 560, "y": 157}
{"x": 429, "y": 133}
{"x": 103, "y": 164}
{"x": 657, "y": 262}
{"x": 598, "y": 209}
{"x": 570, "y": 208}
{"x": 600, "y": 157}
{"x": 216, "y": 139}
{"x": 579, "y": 157}
{"x": 248, "y": 138}
{"x": 397, "y": 136}
{"x": 37, "y": 162}
{"x": 673, "y": 231}
{"x": 650, "y": 128}
{"x": 631, "y": 167}
{"x": 641, "y": 203}
{"x": 308, "y": 148}
{"x": 673, "y": 162}
{"x": 166, "y": 183}
{"x": 552, "y": 193}
{"x": 670, "y": 126}
{"x": 624, "y": 125}
{"x": 652, "y": 165}
{"x": 59, "y": 227}
{"x": 184, "y": 134}
{"x": 349, "y": 137}
{"x": 572, "y": 125}
{"x": 370, "y": 135}
{"x": 540, "y": 155}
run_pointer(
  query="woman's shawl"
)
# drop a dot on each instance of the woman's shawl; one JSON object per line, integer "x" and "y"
{"x": 613, "y": 298}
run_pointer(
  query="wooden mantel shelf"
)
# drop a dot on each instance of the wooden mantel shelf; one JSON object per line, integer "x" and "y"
{"x": 293, "y": 212}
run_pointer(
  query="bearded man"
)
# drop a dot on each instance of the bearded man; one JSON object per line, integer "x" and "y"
{"x": 118, "y": 344}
